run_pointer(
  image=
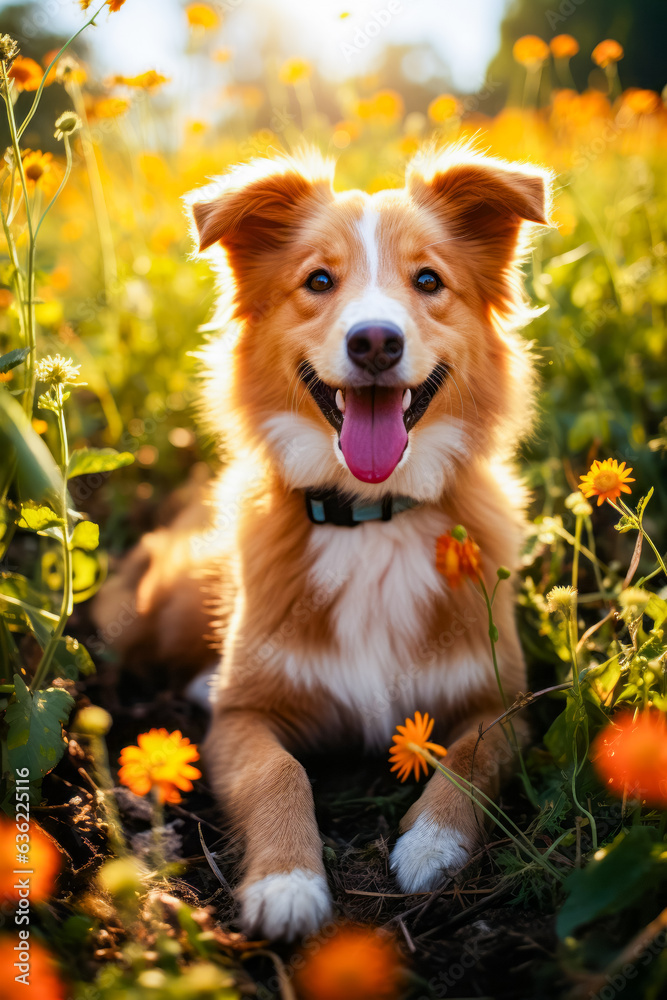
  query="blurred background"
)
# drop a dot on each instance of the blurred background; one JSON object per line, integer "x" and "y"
{"x": 171, "y": 93}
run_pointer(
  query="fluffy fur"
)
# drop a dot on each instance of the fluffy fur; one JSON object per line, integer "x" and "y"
{"x": 335, "y": 634}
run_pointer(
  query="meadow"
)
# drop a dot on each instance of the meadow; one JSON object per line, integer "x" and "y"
{"x": 102, "y": 309}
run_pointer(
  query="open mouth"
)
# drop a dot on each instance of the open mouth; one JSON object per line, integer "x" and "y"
{"x": 372, "y": 420}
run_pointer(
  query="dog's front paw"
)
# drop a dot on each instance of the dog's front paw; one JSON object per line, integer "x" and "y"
{"x": 426, "y": 852}
{"x": 285, "y": 905}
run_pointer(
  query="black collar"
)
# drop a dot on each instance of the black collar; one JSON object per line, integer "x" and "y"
{"x": 347, "y": 511}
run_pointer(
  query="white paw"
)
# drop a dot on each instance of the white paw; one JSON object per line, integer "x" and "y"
{"x": 286, "y": 905}
{"x": 424, "y": 853}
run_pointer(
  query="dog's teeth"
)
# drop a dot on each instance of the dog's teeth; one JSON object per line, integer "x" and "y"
{"x": 340, "y": 401}
{"x": 407, "y": 399}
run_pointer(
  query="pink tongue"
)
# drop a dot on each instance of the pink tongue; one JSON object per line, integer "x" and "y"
{"x": 373, "y": 436}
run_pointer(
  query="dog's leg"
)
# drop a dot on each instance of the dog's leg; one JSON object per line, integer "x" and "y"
{"x": 267, "y": 796}
{"x": 443, "y": 828}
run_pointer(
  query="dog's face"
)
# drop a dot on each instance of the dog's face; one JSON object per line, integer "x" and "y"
{"x": 371, "y": 352}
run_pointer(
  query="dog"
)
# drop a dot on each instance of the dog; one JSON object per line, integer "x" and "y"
{"x": 371, "y": 387}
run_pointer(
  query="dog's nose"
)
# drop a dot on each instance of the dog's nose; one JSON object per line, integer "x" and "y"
{"x": 375, "y": 346}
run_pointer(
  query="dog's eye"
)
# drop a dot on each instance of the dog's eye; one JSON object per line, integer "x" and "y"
{"x": 428, "y": 281}
{"x": 319, "y": 281}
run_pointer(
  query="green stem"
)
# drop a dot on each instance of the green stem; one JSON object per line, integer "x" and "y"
{"x": 575, "y": 558}
{"x": 67, "y": 602}
{"x": 68, "y": 170}
{"x": 30, "y": 297}
{"x": 109, "y": 264}
{"x": 474, "y": 793}
{"x": 514, "y": 743}
{"x": 35, "y": 104}
{"x": 624, "y": 509}
{"x": 573, "y": 639}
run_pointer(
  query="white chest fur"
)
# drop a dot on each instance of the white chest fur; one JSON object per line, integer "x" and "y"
{"x": 384, "y": 580}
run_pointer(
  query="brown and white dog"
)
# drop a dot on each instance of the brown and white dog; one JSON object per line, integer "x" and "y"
{"x": 371, "y": 389}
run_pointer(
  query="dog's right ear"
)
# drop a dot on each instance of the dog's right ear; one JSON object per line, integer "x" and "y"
{"x": 257, "y": 206}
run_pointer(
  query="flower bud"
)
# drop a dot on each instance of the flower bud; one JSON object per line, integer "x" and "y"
{"x": 92, "y": 721}
{"x": 66, "y": 124}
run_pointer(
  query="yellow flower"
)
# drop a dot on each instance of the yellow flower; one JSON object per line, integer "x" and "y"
{"x": 443, "y": 107}
{"x": 200, "y": 15}
{"x": 457, "y": 560}
{"x": 69, "y": 70}
{"x": 606, "y": 480}
{"x": 530, "y": 51}
{"x": 149, "y": 80}
{"x": 26, "y": 73}
{"x": 406, "y": 754}
{"x": 294, "y": 71}
{"x": 564, "y": 46}
{"x": 161, "y": 761}
{"x": 58, "y": 370}
{"x": 110, "y": 107}
{"x": 562, "y": 599}
{"x": 607, "y": 52}
{"x": 36, "y": 164}
{"x": 39, "y": 426}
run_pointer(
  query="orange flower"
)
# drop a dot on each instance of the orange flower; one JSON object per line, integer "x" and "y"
{"x": 115, "y": 5}
{"x": 162, "y": 761}
{"x": 39, "y": 426}
{"x": 294, "y": 71}
{"x": 200, "y": 15}
{"x": 606, "y": 480}
{"x": 149, "y": 80}
{"x": 44, "y": 857}
{"x": 110, "y": 107}
{"x": 457, "y": 560}
{"x": 36, "y": 164}
{"x": 412, "y": 738}
{"x": 641, "y": 102}
{"x": 564, "y": 46}
{"x": 358, "y": 963}
{"x": 630, "y": 757}
{"x": 26, "y": 73}
{"x": 530, "y": 51}
{"x": 607, "y": 52}
{"x": 6, "y": 298}
{"x": 43, "y": 977}
{"x": 443, "y": 107}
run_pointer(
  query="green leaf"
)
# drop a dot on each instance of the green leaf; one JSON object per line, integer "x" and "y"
{"x": 23, "y": 607}
{"x": 37, "y": 473}
{"x": 657, "y": 610}
{"x": 87, "y": 460}
{"x": 35, "y": 721}
{"x": 86, "y": 536}
{"x": 13, "y": 359}
{"x": 641, "y": 506}
{"x": 89, "y": 572}
{"x": 38, "y": 518}
{"x": 72, "y": 658}
{"x": 630, "y": 867}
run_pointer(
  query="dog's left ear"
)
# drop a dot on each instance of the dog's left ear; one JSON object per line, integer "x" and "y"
{"x": 488, "y": 206}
